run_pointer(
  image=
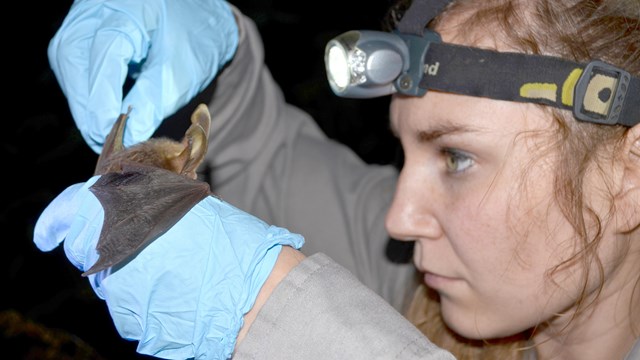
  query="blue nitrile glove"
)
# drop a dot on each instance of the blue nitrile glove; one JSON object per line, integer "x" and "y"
{"x": 173, "y": 48}
{"x": 184, "y": 295}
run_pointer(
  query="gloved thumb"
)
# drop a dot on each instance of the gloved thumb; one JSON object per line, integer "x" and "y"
{"x": 75, "y": 217}
{"x": 55, "y": 221}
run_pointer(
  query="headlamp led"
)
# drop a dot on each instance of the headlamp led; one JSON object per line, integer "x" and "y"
{"x": 413, "y": 59}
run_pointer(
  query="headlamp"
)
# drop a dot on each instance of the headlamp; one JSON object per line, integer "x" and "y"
{"x": 364, "y": 64}
{"x": 412, "y": 59}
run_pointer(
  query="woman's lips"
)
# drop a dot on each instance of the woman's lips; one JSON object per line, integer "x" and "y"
{"x": 436, "y": 281}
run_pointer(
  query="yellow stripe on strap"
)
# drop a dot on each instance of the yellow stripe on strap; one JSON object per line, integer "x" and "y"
{"x": 569, "y": 85}
{"x": 539, "y": 91}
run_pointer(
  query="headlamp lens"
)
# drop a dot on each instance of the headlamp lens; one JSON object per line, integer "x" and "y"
{"x": 337, "y": 66}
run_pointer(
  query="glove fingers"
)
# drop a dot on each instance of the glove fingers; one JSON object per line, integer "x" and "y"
{"x": 157, "y": 93}
{"x": 109, "y": 57}
{"x": 170, "y": 78}
{"x": 98, "y": 40}
{"x": 164, "y": 86}
{"x": 89, "y": 55}
{"x": 146, "y": 99}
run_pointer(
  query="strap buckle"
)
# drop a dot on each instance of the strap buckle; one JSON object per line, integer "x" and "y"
{"x": 600, "y": 93}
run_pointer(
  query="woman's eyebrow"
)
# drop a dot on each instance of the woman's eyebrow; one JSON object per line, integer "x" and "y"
{"x": 442, "y": 130}
{"x": 437, "y": 131}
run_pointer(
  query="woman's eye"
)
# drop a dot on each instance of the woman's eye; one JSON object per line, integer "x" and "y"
{"x": 456, "y": 161}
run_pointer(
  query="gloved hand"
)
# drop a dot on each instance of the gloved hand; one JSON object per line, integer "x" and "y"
{"x": 185, "y": 294}
{"x": 172, "y": 48}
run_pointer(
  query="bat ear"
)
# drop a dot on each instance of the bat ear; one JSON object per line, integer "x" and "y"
{"x": 113, "y": 144}
{"x": 195, "y": 141}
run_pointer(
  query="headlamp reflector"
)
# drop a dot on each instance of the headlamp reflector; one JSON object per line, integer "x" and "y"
{"x": 338, "y": 69}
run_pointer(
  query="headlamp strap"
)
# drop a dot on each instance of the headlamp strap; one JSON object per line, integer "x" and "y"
{"x": 419, "y": 14}
{"x": 596, "y": 92}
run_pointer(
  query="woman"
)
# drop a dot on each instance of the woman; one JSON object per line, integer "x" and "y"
{"x": 525, "y": 220}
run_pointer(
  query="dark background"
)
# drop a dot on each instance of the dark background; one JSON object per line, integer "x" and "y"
{"x": 48, "y": 311}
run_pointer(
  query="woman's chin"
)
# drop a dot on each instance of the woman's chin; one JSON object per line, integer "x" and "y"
{"x": 466, "y": 324}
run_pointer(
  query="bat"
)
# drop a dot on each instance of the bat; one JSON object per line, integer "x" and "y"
{"x": 146, "y": 188}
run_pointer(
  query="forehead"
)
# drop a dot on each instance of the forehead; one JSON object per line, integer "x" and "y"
{"x": 452, "y": 113}
{"x": 486, "y": 30}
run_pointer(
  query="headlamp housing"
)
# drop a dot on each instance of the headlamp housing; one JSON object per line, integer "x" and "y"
{"x": 365, "y": 64}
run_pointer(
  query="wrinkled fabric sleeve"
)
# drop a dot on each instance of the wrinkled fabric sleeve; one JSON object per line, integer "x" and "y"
{"x": 272, "y": 160}
{"x": 320, "y": 311}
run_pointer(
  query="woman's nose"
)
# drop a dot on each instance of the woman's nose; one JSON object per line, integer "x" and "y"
{"x": 412, "y": 214}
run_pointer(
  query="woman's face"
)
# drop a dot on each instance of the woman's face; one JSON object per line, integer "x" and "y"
{"x": 476, "y": 195}
{"x": 484, "y": 240}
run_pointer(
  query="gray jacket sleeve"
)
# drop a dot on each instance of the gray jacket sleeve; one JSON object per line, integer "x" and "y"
{"x": 320, "y": 311}
{"x": 270, "y": 159}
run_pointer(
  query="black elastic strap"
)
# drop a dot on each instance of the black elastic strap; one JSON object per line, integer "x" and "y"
{"x": 608, "y": 95}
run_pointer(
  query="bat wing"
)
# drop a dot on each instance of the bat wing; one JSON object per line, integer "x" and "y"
{"x": 140, "y": 204}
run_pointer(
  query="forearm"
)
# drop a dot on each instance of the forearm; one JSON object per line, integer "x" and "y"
{"x": 287, "y": 260}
